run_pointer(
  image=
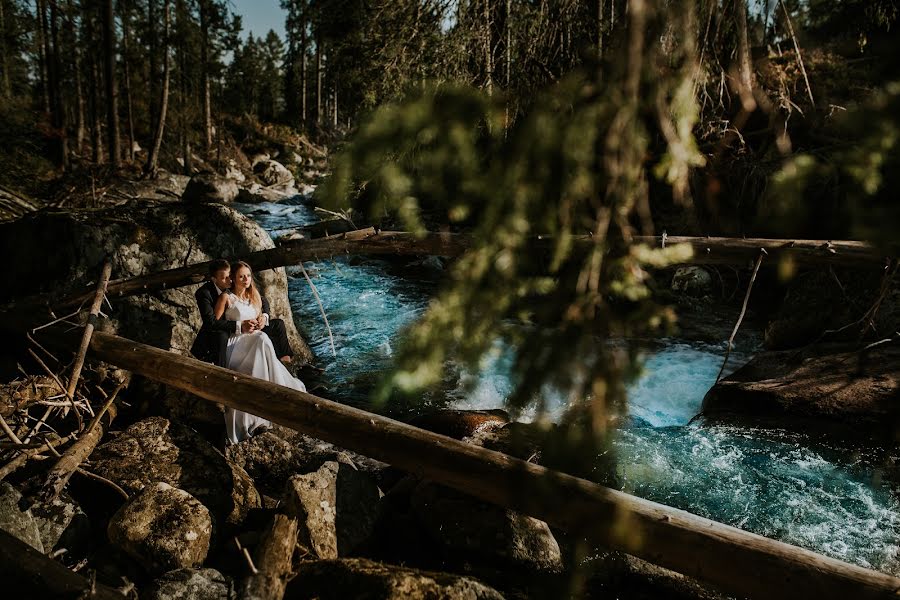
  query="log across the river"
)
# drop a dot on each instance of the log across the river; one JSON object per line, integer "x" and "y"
{"x": 369, "y": 241}
{"x": 738, "y": 562}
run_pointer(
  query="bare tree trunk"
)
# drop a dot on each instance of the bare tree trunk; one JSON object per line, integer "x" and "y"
{"x": 334, "y": 99}
{"x": 153, "y": 157}
{"x": 746, "y": 80}
{"x": 79, "y": 86}
{"x": 303, "y": 47}
{"x": 127, "y": 74}
{"x": 488, "y": 53}
{"x": 152, "y": 80}
{"x": 204, "y": 68}
{"x": 96, "y": 136}
{"x": 41, "y": 14}
{"x": 601, "y": 8}
{"x": 318, "y": 79}
{"x": 183, "y": 101}
{"x": 7, "y": 88}
{"x": 58, "y": 105}
{"x": 112, "y": 92}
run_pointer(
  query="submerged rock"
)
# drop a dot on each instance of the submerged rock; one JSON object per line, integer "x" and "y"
{"x": 851, "y": 391}
{"x": 14, "y": 521}
{"x": 157, "y": 450}
{"x": 163, "y": 527}
{"x": 361, "y": 578}
{"x": 190, "y": 584}
{"x": 338, "y": 506}
{"x": 473, "y": 528}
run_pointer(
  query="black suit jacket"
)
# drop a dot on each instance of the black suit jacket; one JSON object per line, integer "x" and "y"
{"x": 207, "y": 344}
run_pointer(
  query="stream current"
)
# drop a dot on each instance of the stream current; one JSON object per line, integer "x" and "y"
{"x": 778, "y": 483}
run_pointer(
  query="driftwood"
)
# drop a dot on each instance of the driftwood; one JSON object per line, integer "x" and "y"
{"x": 71, "y": 460}
{"x": 274, "y": 555}
{"x": 27, "y": 573}
{"x": 19, "y": 461}
{"x": 88, "y": 330}
{"x": 368, "y": 241}
{"x": 740, "y": 563}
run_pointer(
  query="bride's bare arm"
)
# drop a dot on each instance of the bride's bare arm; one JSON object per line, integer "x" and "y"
{"x": 221, "y": 305}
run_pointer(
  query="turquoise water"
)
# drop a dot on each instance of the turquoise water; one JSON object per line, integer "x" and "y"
{"x": 779, "y": 484}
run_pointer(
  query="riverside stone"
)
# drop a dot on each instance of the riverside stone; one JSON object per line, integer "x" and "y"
{"x": 14, "y": 521}
{"x": 272, "y": 172}
{"x": 157, "y": 450}
{"x": 338, "y": 508}
{"x": 832, "y": 386}
{"x": 190, "y": 584}
{"x": 361, "y": 578}
{"x": 62, "y": 524}
{"x": 467, "y": 526}
{"x": 207, "y": 187}
{"x": 164, "y": 527}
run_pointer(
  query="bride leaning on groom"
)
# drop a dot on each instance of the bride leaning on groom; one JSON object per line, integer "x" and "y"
{"x": 238, "y": 333}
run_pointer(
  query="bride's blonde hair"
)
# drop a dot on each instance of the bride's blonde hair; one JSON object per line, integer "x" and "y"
{"x": 255, "y": 298}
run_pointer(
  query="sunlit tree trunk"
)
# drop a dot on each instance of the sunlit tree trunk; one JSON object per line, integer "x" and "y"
{"x": 204, "y": 70}
{"x": 488, "y": 51}
{"x": 44, "y": 47}
{"x": 153, "y": 157}
{"x": 746, "y": 80}
{"x": 153, "y": 80}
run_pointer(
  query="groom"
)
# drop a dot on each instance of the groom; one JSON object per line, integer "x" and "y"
{"x": 212, "y": 340}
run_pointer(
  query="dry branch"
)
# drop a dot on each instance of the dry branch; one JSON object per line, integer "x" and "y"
{"x": 738, "y": 562}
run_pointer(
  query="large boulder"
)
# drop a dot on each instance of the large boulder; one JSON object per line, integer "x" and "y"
{"x": 337, "y": 506}
{"x": 207, "y": 187}
{"x": 164, "y": 528}
{"x": 157, "y": 450}
{"x": 139, "y": 237}
{"x": 62, "y": 524}
{"x": 271, "y": 172}
{"x": 850, "y": 391}
{"x": 471, "y": 528}
{"x": 15, "y": 521}
{"x": 361, "y": 578}
{"x": 190, "y": 584}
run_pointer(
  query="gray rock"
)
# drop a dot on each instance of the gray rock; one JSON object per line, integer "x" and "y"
{"x": 210, "y": 188}
{"x": 255, "y": 193}
{"x": 693, "y": 281}
{"x": 15, "y": 521}
{"x": 165, "y": 187}
{"x": 163, "y": 527}
{"x": 62, "y": 524}
{"x": 272, "y": 172}
{"x": 190, "y": 584}
{"x": 339, "y": 506}
{"x": 361, "y": 578}
{"x": 157, "y": 450}
{"x": 140, "y": 237}
{"x": 467, "y": 526}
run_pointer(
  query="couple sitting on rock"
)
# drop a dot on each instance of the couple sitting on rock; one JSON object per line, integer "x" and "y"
{"x": 238, "y": 334}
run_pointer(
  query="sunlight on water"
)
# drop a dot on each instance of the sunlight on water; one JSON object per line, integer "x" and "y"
{"x": 778, "y": 484}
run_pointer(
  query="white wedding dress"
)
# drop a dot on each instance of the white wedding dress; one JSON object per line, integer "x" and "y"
{"x": 252, "y": 354}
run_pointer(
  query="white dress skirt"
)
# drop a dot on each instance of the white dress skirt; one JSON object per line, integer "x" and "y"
{"x": 252, "y": 354}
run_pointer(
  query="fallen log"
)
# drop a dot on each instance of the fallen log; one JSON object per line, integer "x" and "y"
{"x": 27, "y": 573}
{"x": 274, "y": 555}
{"x": 738, "y": 562}
{"x": 707, "y": 250}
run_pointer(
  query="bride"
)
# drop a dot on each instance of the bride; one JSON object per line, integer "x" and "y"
{"x": 251, "y": 353}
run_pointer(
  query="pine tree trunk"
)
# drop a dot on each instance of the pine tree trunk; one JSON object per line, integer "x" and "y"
{"x": 112, "y": 92}
{"x": 96, "y": 136}
{"x": 204, "y": 67}
{"x": 126, "y": 21}
{"x": 153, "y": 157}
{"x": 303, "y": 83}
{"x": 79, "y": 86}
{"x": 318, "y": 79}
{"x": 153, "y": 80}
{"x": 488, "y": 54}
{"x": 7, "y": 88}
{"x": 43, "y": 45}
{"x": 745, "y": 66}
{"x": 184, "y": 125}
{"x": 58, "y": 105}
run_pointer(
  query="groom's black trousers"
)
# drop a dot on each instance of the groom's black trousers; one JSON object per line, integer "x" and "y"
{"x": 278, "y": 334}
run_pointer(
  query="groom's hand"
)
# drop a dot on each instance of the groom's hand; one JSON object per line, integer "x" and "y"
{"x": 248, "y": 326}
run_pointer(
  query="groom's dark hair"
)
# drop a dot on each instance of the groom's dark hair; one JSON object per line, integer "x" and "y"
{"x": 217, "y": 265}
